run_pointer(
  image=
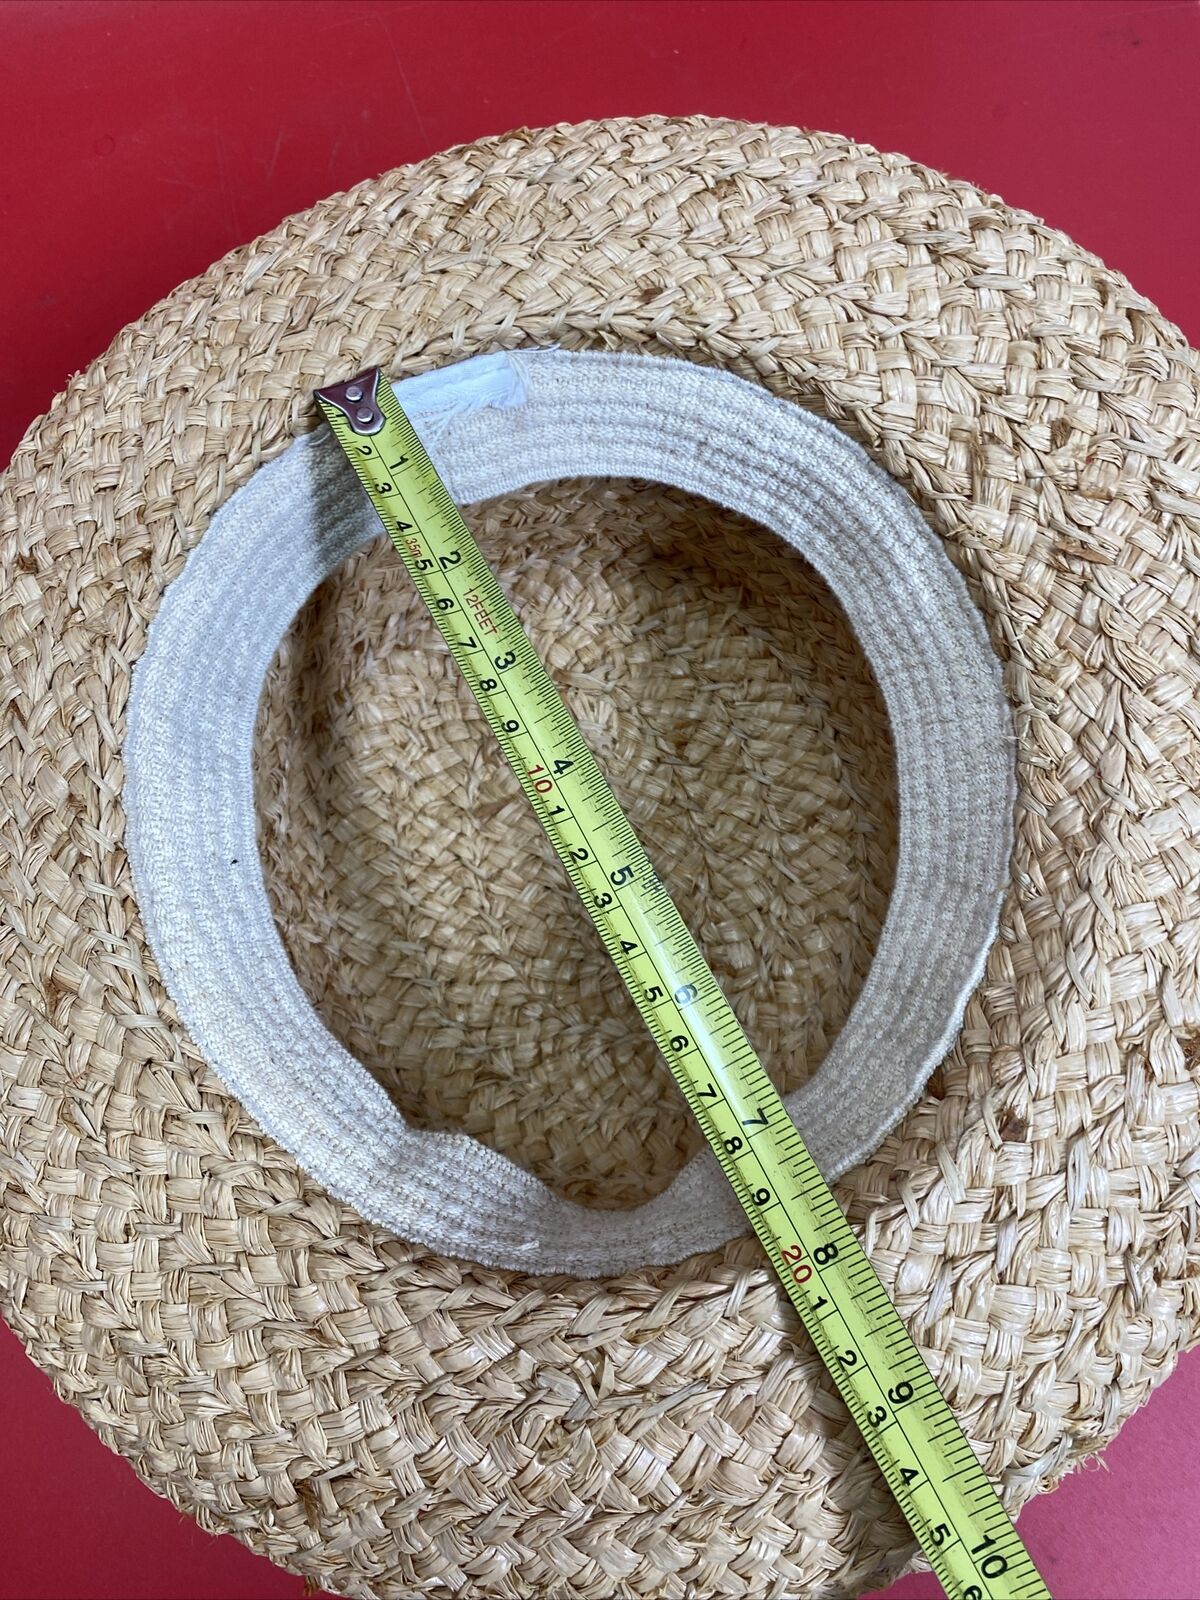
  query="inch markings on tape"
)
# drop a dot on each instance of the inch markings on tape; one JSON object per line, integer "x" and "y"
{"x": 926, "y": 1459}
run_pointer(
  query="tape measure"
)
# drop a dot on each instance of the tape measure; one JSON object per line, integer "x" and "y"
{"x": 929, "y": 1465}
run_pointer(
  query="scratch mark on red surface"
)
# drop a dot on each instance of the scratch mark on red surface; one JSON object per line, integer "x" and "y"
{"x": 412, "y": 99}
{"x": 1181, "y": 8}
{"x": 275, "y": 154}
{"x": 226, "y": 191}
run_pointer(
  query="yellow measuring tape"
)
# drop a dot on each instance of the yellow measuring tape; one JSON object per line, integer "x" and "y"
{"x": 929, "y": 1465}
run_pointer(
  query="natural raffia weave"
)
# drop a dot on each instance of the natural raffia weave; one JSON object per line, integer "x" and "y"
{"x": 391, "y": 1423}
{"x": 427, "y": 916}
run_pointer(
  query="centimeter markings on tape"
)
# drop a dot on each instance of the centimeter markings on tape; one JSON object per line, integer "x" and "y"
{"x": 929, "y": 1465}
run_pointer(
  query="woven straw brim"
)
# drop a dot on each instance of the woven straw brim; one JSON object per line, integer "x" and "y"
{"x": 392, "y": 1423}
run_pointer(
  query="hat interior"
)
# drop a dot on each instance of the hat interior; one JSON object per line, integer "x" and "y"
{"x": 412, "y": 999}
{"x": 717, "y": 681}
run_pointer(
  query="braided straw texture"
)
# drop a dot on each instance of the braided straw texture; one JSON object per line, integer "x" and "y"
{"x": 715, "y": 675}
{"x": 390, "y": 1423}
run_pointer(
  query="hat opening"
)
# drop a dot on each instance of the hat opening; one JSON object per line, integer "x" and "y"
{"x": 789, "y": 688}
{"x": 718, "y": 683}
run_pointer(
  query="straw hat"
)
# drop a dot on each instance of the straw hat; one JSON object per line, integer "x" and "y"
{"x": 339, "y": 1186}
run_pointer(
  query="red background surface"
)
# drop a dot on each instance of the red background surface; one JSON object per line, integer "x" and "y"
{"x": 142, "y": 141}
